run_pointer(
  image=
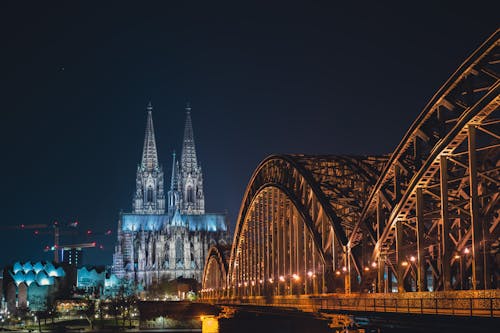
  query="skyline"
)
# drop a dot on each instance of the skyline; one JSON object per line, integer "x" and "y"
{"x": 295, "y": 79}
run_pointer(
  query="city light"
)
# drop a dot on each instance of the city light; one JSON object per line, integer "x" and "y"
{"x": 412, "y": 259}
{"x": 310, "y": 274}
{"x": 466, "y": 250}
{"x": 282, "y": 278}
{"x": 295, "y": 277}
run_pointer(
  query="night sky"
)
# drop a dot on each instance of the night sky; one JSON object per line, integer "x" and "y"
{"x": 316, "y": 77}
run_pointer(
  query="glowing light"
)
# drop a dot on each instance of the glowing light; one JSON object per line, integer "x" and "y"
{"x": 271, "y": 280}
{"x": 253, "y": 283}
{"x": 367, "y": 268}
{"x": 457, "y": 256}
{"x": 310, "y": 274}
{"x": 246, "y": 283}
{"x": 466, "y": 250}
{"x": 282, "y": 278}
{"x": 295, "y": 277}
{"x": 337, "y": 272}
{"x": 209, "y": 324}
{"x": 344, "y": 269}
{"x": 374, "y": 264}
{"x": 412, "y": 259}
{"x": 404, "y": 263}
{"x": 44, "y": 282}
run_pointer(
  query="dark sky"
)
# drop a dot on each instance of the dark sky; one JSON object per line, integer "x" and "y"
{"x": 310, "y": 77}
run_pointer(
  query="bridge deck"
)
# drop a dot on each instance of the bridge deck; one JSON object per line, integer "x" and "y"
{"x": 463, "y": 303}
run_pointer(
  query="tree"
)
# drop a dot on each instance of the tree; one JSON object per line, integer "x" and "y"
{"x": 90, "y": 313}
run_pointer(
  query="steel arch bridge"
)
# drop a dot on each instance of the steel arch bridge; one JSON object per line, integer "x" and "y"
{"x": 424, "y": 218}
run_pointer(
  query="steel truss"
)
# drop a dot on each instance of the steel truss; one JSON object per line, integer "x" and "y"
{"x": 424, "y": 218}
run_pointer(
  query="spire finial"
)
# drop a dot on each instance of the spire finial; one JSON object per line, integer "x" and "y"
{"x": 149, "y": 107}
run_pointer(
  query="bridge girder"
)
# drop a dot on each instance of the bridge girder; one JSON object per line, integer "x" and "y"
{"x": 426, "y": 216}
{"x": 423, "y": 204}
{"x": 300, "y": 198}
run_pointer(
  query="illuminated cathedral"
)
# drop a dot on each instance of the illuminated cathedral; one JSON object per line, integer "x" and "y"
{"x": 167, "y": 235}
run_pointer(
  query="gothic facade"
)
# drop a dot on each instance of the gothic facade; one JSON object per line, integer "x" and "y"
{"x": 166, "y": 237}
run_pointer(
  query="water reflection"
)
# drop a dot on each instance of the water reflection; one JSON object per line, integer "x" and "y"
{"x": 209, "y": 324}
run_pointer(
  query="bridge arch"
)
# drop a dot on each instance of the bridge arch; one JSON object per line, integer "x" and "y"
{"x": 214, "y": 279}
{"x": 293, "y": 228}
{"x": 424, "y": 218}
{"x": 435, "y": 206}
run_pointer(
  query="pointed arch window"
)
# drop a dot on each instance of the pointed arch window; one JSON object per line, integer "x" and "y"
{"x": 179, "y": 253}
{"x": 190, "y": 194}
{"x": 149, "y": 194}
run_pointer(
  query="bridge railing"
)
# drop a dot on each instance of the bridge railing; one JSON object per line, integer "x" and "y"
{"x": 458, "y": 306}
{"x": 484, "y": 307}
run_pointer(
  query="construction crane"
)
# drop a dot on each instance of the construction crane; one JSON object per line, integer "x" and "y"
{"x": 56, "y": 229}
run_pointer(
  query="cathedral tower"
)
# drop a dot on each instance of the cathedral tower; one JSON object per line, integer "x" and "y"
{"x": 149, "y": 196}
{"x": 189, "y": 178}
{"x": 155, "y": 242}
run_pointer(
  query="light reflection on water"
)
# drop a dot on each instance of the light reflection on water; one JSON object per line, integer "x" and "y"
{"x": 209, "y": 324}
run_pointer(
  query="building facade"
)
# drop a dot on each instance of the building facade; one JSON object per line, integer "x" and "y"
{"x": 167, "y": 236}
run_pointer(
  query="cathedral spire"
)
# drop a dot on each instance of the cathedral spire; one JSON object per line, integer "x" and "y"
{"x": 149, "y": 154}
{"x": 173, "y": 180}
{"x": 188, "y": 155}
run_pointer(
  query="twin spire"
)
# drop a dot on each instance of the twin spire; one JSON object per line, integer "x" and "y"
{"x": 150, "y": 154}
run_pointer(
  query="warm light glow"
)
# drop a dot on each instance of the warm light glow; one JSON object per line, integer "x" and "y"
{"x": 367, "y": 268}
{"x": 374, "y": 264}
{"x": 282, "y": 278}
{"x": 296, "y": 277}
{"x": 337, "y": 272}
{"x": 209, "y": 324}
{"x": 344, "y": 269}
{"x": 466, "y": 250}
{"x": 246, "y": 283}
{"x": 253, "y": 283}
{"x": 457, "y": 256}
{"x": 412, "y": 259}
{"x": 404, "y": 263}
{"x": 310, "y": 274}
{"x": 271, "y": 280}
